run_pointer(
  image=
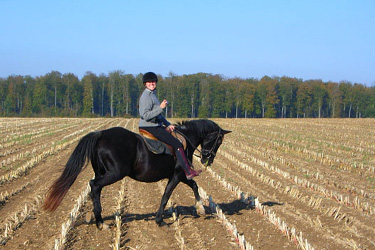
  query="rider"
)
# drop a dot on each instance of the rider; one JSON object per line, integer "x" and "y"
{"x": 154, "y": 122}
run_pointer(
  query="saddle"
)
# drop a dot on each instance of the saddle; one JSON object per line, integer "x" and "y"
{"x": 159, "y": 147}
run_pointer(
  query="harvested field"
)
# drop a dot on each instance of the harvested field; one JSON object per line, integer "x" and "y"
{"x": 274, "y": 184}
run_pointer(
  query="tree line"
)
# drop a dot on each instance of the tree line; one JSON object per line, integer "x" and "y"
{"x": 200, "y": 95}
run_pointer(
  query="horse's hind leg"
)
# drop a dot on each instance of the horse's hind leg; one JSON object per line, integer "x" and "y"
{"x": 97, "y": 185}
{"x": 198, "y": 205}
{"x": 95, "y": 197}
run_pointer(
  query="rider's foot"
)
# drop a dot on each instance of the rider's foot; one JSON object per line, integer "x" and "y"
{"x": 192, "y": 174}
{"x": 189, "y": 171}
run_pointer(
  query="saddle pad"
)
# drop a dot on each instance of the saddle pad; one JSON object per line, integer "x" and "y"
{"x": 158, "y": 147}
{"x": 175, "y": 133}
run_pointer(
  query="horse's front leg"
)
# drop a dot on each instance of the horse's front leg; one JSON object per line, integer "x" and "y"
{"x": 172, "y": 183}
{"x": 198, "y": 204}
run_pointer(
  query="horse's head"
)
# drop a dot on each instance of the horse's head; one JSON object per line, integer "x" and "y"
{"x": 210, "y": 145}
{"x": 205, "y": 133}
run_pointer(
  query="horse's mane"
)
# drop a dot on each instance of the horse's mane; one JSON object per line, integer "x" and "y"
{"x": 202, "y": 126}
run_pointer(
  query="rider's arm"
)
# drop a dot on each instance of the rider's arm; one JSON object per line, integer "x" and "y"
{"x": 148, "y": 107}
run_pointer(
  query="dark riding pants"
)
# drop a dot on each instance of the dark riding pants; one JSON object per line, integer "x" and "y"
{"x": 164, "y": 136}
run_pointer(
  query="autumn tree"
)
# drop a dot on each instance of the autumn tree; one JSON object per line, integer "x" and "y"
{"x": 15, "y": 97}
{"x": 72, "y": 94}
{"x": 303, "y": 100}
{"x": 196, "y": 95}
{"x": 249, "y": 88}
{"x": 88, "y": 97}
{"x": 28, "y": 97}
{"x": 346, "y": 89}
{"x": 268, "y": 97}
{"x": 286, "y": 90}
{"x": 204, "y": 98}
{"x": 335, "y": 96}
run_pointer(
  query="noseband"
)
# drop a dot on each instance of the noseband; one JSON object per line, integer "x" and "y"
{"x": 209, "y": 153}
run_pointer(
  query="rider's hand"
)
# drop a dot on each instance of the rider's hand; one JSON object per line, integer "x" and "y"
{"x": 163, "y": 104}
{"x": 171, "y": 128}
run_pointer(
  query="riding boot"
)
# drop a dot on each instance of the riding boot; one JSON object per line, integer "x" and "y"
{"x": 189, "y": 172}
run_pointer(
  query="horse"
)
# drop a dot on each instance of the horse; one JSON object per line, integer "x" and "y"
{"x": 117, "y": 152}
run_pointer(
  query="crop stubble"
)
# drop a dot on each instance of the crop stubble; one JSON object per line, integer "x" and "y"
{"x": 315, "y": 175}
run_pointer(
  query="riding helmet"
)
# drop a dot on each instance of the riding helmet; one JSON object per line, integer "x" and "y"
{"x": 150, "y": 77}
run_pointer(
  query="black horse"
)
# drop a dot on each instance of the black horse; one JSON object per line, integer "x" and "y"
{"x": 116, "y": 152}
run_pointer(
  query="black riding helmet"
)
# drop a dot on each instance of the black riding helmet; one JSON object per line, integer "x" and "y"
{"x": 150, "y": 77}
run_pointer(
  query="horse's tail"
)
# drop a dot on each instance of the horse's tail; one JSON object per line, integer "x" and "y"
{"x": 79, "y": 159}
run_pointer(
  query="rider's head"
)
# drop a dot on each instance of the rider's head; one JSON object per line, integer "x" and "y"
{"x": 149, "y": 77}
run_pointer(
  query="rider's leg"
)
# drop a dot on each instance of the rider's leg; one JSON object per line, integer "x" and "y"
{"x": 189, "y": 172}
{"x": 166, "y": 137}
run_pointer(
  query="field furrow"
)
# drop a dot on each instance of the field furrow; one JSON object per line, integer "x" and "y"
{"x": 281, "y": 183}
{"x": 32, "y": 189}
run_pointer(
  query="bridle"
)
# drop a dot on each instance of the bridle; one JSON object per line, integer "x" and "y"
{"x": 209, "y": 153}
{"x": 204, "y": 152}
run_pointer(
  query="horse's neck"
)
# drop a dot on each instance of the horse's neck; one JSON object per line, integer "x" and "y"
{"x": 193, "y": 139}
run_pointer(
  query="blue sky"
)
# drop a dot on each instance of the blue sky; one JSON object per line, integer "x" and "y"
{"x": 329, "y": 40}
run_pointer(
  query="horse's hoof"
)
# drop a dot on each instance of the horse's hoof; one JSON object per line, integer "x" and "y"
{"x": 88, "y": 217}
{"x": 161, "y": 223}
{"x": 200, "y": 209}
{"x": 102, "y": 226}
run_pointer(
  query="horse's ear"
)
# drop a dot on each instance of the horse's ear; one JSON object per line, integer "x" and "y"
{"x": 226, "y": 131}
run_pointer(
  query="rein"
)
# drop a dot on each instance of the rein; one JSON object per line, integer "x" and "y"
{"x": 210, "y": 152}
{"x": 189, "y": 141}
